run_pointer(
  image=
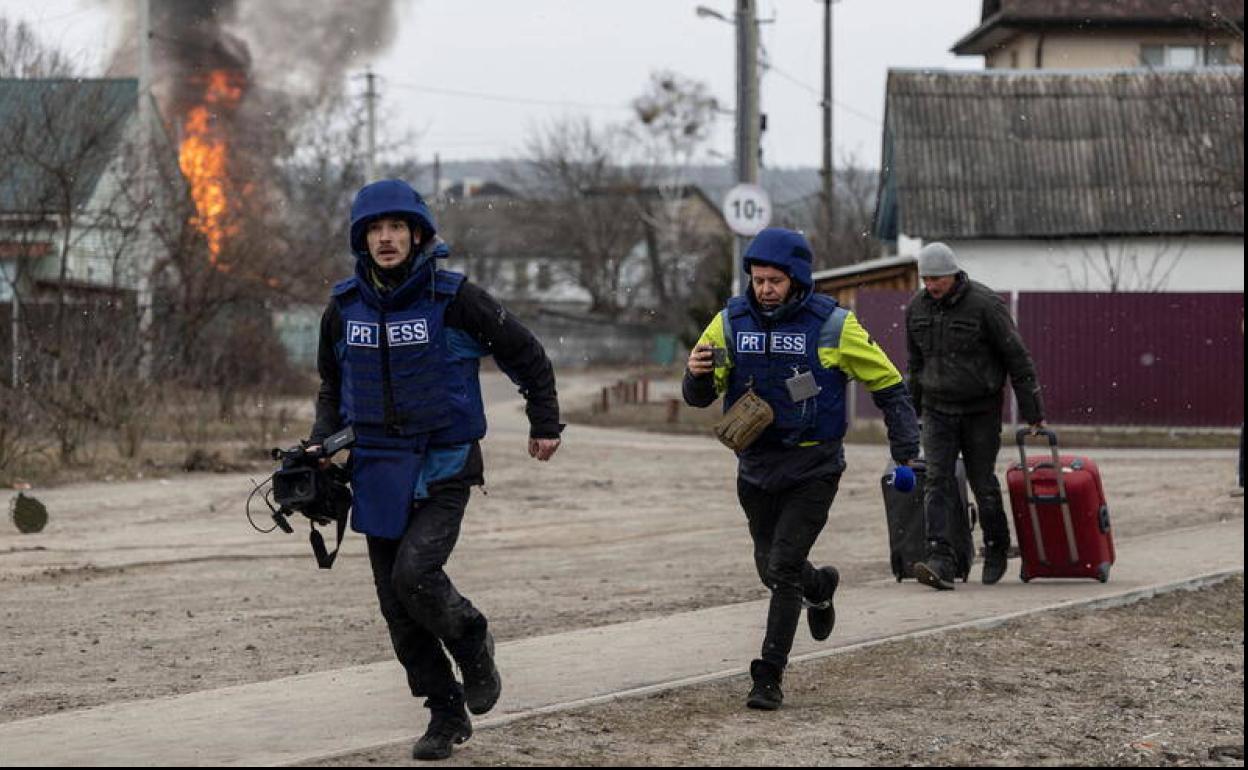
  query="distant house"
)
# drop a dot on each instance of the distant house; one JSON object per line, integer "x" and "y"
{"x": 483, "y": 244}
{"x": 1107, "y": 34}
{"x": 73, "y": 228}
{"x": 1129, "y": 180}
{"x": 477, "y": 219}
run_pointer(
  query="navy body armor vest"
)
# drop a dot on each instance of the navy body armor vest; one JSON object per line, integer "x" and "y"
{"x": 408, "y": 383}
{"x": 765, "y": 356}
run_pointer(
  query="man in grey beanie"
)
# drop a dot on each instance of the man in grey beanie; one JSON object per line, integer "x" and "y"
{"x": 962, "y": 343}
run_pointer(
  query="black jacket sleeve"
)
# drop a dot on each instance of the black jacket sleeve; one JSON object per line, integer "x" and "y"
{"x": 328, "y": 419}
{"x": 1009, "y": 345}
{"x": 698, "y": 391}
{"x": 900, "y": 421}
{"x": 518, "y": 353}
{"x": 914, "y": 365}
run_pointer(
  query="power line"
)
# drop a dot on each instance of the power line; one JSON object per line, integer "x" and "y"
{"x": 847, "y": 108}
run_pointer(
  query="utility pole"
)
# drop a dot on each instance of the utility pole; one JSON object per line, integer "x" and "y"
{"x": 146, "y": 261}
{"x": 370, "y": 96}
{"x": 748, "y": 122}
{"x": 829, "y": 201}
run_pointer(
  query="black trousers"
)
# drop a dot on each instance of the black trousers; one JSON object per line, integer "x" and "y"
{"x": 977, "y": 437}
{"x": 784, "y": 526}
{"x": 423, "y": 611}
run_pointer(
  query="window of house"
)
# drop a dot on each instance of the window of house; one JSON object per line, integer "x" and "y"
{"x": 1014, "y": 59}
{"x": 1179, "y": 56}
{"x": 544, "y": 279}
{"x": 521, "y": 275}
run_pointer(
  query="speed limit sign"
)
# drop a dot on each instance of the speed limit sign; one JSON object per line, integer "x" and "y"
{"x": 747, "y": 209}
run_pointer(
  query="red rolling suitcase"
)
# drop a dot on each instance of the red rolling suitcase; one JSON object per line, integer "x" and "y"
{"x": 1061, "y": 519}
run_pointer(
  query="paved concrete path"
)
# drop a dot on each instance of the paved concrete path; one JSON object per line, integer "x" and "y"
{"x": 318, "y": 715}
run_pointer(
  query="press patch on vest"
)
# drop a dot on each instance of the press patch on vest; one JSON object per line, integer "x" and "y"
{"x": 788, "y": 343}
{"x": 362, "y": 334}
{"x": 751, "y": 342}
{"x": 414, "y": 332}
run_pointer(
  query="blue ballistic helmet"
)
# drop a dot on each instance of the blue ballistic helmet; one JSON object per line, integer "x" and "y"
{"x": 786, "y": 249}
{"x": 389, "y": 197}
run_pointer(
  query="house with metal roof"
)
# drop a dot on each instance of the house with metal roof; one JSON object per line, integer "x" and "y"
{"x": 1106, "y": 34}
{"x": 72, "y": 222}
{"x": 1070, "y": 180}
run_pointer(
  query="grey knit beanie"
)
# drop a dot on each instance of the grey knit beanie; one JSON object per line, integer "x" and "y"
{"x": 936, "y": 259}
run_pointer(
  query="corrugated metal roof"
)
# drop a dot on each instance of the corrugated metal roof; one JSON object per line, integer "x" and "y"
{"x": 1187, "y": 11}
{"x": 864, "y": 267}
{"x": 1052, "y": 154}
{"x": 57, "y": 137}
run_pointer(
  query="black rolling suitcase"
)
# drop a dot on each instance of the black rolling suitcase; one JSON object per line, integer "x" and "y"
{"x": 907, "y": 531}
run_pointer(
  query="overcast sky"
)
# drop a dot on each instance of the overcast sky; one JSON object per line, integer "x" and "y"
{"x": 471, "y": 78}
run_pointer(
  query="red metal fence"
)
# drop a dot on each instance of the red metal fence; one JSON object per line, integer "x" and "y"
{"x": 1165, "y": 359}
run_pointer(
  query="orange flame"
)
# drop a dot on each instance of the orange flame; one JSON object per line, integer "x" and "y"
{"x": 202, "y": 157}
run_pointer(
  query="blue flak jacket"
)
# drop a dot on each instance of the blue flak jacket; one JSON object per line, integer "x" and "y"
{"x": 765, "y": 355}
{"x": 408, "y": 384}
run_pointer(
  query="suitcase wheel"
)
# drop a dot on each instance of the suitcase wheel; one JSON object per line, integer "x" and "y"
{"x": 1102, "y": 573}
{"x": 1023, "y": 576}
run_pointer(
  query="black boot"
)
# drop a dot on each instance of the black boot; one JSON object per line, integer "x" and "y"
{"x": 448, "y": 726}
{"x": 482, "y": 684}
{"x": 994, "y": 564}
{"x": 766, "y": 693}
{"x": 937, "y": 570}
{"x": 821, "y": 617}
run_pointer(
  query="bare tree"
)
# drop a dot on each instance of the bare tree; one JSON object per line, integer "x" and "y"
{"x": 851, "y": 240}
{"x": 1118, "y": 265}
{"x": 76, "y": 230}
{"x": 570, "y": 164}
{"x": 674, "y": 119}
{"x": 23, "y": 55}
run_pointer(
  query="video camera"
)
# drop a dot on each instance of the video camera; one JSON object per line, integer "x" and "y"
{"x": 301, "y": 485}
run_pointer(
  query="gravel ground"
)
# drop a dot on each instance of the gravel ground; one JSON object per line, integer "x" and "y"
{"x": 1159, "y": 682}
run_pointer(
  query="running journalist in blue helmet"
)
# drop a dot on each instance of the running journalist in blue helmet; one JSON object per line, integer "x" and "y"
{"x": 783, "y": 345}
{"x": 399, "y": 350}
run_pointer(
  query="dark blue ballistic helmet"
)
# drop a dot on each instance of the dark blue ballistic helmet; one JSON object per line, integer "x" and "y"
{"x": 785, "y": 249}
{"x": 389, "y": 197}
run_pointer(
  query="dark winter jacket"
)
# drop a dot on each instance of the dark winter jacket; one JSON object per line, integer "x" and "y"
{"x": 962, "y": 347}
{"x": 474, "y": 312}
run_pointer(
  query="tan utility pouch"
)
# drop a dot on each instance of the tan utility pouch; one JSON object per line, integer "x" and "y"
{"x": 744, "y": 422}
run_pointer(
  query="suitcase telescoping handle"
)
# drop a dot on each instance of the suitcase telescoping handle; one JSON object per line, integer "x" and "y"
{"x": 1062, "y": 499}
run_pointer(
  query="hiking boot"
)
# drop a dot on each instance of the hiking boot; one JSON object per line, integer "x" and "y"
{"x": 994, "y": 565}
{"x": 821, "y": 617}
{"x": 935, "y": 571}
{"x": 446, "y": 730}
{"x": 765, "y": 694}
{"x": 482, "y": 684}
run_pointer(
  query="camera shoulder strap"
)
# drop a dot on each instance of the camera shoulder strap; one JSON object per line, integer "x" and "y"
{"x": 325, "y": 559}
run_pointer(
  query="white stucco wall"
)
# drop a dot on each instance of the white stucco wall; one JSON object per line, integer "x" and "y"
{"x": 1140, "y": 264}
{"x": 1100, "y": 49}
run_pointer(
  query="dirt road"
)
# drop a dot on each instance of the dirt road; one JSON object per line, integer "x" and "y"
{"x": 149, "y": 588}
